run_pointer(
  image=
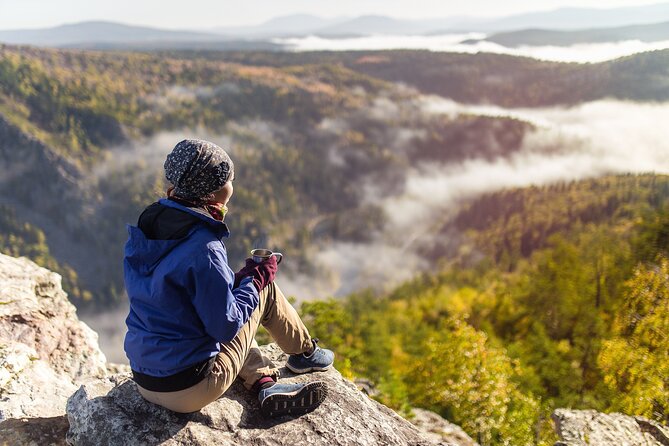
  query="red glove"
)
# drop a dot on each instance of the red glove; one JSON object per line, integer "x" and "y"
{"x": 262, "y": 273}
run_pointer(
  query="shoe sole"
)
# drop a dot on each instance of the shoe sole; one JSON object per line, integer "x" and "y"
{"x": 300, "y": 402}
{"x": 307, "y": 370}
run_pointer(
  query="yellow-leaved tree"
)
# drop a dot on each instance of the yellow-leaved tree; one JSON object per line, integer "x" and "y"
{"x": 635, "y": 363}
{"x": 462, "y": 377}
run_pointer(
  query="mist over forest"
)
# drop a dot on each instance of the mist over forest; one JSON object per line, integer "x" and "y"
{"x": 423, "y": 200}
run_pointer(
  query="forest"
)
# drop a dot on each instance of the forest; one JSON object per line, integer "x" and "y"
{"x": 309, "y": 131}
{"x": 504, "y": 80}
{"x": 533, "y": 298}
{"x": 559, "y": 298}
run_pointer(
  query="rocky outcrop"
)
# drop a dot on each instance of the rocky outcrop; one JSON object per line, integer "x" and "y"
{"x": 438, "y": 429}
{"x": 50, "y": 364}
{"x": 111, "y": 409}
{"x": 46, "y": 353}
{"x": 589, "y": 427}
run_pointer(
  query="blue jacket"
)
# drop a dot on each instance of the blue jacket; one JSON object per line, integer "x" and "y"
{"x": 182, "y": 301}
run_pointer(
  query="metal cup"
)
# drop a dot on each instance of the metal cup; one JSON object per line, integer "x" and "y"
{"x": 260, "y": 255}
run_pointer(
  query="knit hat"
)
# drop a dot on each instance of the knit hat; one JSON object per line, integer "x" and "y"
{"x": 196, "y": 168}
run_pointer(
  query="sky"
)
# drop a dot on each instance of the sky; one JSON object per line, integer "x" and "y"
{"x": 194, "y": 14}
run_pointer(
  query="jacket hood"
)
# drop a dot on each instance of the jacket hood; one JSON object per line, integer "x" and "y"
{"x": 143, "y": 254}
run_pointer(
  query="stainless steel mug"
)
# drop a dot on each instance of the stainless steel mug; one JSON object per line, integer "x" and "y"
{"x": 260, "y": 255}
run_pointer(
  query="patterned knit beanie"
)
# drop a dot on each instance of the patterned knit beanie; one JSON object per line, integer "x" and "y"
{"x": 196, "y": 168}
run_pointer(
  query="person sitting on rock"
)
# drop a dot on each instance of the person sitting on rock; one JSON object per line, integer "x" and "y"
{"x": 192, "y": 320}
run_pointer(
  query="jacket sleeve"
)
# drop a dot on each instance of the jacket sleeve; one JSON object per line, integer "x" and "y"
{"x": 222, "y": 309}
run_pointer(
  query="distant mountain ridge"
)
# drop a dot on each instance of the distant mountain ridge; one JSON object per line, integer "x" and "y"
{"x": 99, "y": 31}
{"x": 296, "y": 24}
{"x": 378, "y": 24}
{"x": 537, "y": 37}
{"x": 102, "y": 34}
{"x": 562, "y": 18}
{"x": 579, "y": 18}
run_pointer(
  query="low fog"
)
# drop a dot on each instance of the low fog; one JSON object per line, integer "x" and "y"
{"x": 572, "y": 143}
{"x": 581, "y": 53}
{"x": 569, "y": 143}
{"x": 110, "y": 327}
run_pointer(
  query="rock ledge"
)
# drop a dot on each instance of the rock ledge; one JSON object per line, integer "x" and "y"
{"x": 589, "y": 427}
{"x": 111, "y": 411}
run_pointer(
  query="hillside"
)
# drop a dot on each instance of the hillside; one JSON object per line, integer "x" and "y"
{"x": 645, "y": 33}
{"x": 311, "y": 132}
{"x": 558, "y": 299}
{"x": 503, "y": 80}
{"x": 57, "y": 389}
{"x": 553, "y": 296}
{"x": 328, "y": 130}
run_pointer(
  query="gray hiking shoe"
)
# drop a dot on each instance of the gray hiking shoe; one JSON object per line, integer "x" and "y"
{"x": 319, "y": 360}
{"x": 291, "y": 399}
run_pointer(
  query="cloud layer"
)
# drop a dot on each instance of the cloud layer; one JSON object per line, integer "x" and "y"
{"x": 571, "y": 143}
{"x": 582, "y": 53}
{"x": 568, "y": 144}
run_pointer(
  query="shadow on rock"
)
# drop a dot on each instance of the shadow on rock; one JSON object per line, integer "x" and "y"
{"x": 42, "y": 431}
{"x": 122, "y": 416}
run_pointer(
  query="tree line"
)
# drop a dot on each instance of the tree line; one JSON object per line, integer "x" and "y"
{"x": 578, "y": 318}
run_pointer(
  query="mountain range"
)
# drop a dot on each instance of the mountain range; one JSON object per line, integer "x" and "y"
{"x": 99, "y": 31}
{"x": 537, "y": 37}
{"x": 547, "y": 294}
{"x": 578, "y": 18}
{"x": 596, "y": 22}
{"x": 561, "y": 18}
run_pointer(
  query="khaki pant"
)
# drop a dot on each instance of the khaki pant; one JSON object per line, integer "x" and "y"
{"x": 241, "y": 356}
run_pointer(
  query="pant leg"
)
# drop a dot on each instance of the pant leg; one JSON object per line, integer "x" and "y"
{"x": 284, "y": 324}
{"x": 241, "y": 356}
{"x": 226, "y": 367}
{"x": 256, "y": 366}
{"x": 187, "y": 400}
{"x": 286, "y": 328}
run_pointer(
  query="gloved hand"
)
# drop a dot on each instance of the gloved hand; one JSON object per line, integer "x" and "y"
{"x": 262, "y": 273}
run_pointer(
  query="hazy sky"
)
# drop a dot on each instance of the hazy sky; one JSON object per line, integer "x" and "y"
{"x": 193, "y": 14}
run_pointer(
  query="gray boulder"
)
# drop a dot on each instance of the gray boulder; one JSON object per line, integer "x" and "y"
{"x": 46, "y": 353}
{"x": 589, "y": 427}
{"x": 434, "y": 427}
{"x": 111, "y": 411}
{"x": 438, "y": 429}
